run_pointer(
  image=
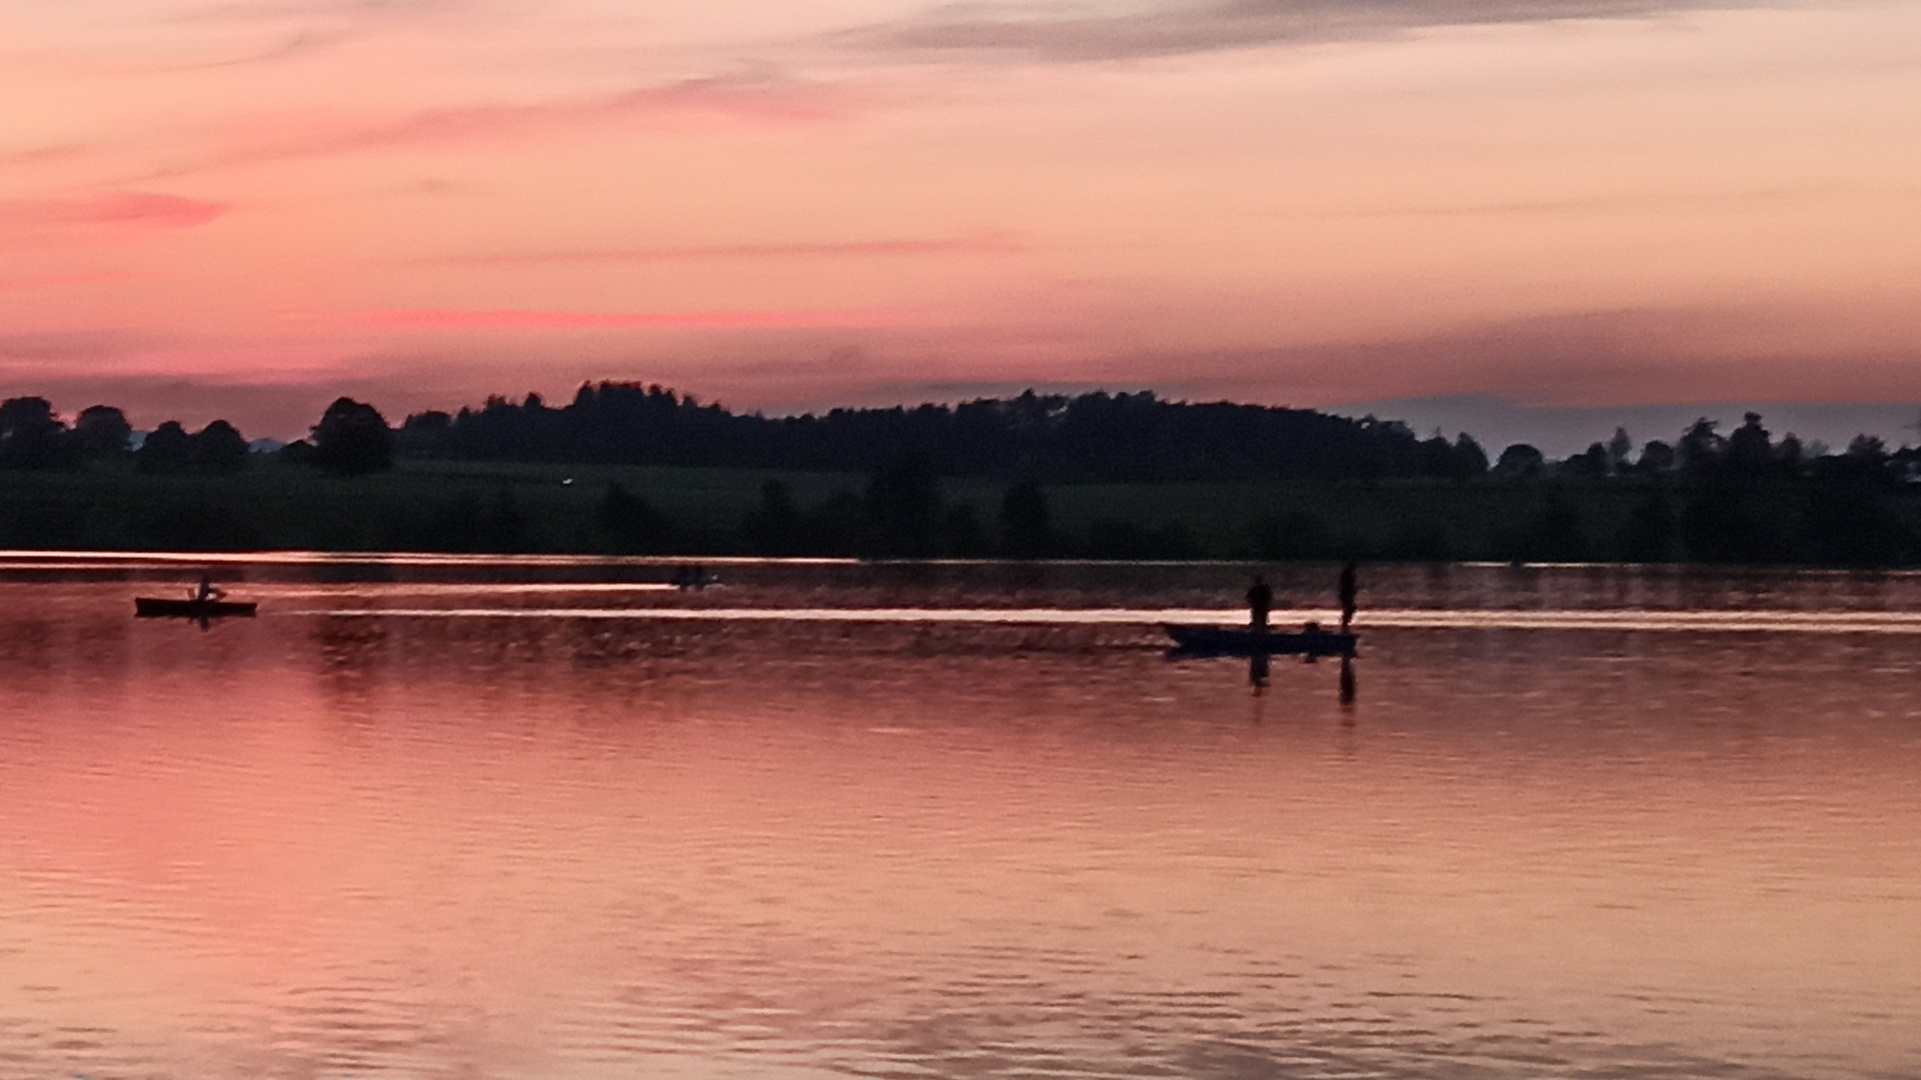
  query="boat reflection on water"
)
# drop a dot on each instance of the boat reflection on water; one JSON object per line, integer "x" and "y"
{"x": 1260, "y": 650}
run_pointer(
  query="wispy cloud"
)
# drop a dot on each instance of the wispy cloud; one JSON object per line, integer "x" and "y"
{"x": 1076, "y": 32}
{"x": 612, "y": 320}
{"x": 63, "y": 281}
{"x": 120, "y": 208}
{"x": 34, "y": 355}
{"x": 261, "y": 10}
{"x": 147, "y": 36}
{"x": 42, "y": 155}
{"x": 1642, "y": 355}
{"x": 985, "y": 243}
{"x": 1626, "y": 203}
{"x": 753, "y": 97}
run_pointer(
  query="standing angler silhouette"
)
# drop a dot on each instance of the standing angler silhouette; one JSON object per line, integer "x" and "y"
{"x": 1348, "y": 589}
{"x": 1260, "y": 599}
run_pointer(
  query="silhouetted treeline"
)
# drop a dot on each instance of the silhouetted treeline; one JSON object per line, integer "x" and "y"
{"x": 1739, "y": 498}
{"x": 32, "y": 435}
{"x": 351, "y": 439}
{"x": 1092, "y": 437}
{"x": 1124, "y": 476}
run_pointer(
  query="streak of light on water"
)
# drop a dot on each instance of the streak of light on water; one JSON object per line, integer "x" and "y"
{"x": 1749, "y": 622}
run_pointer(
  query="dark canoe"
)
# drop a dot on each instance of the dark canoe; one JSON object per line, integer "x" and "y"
{"x": 150, "y": 607}
{"x": 1224, "y": 641}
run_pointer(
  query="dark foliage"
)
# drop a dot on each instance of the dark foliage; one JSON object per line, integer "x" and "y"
{"x": 1116, "y": 539}
{"x": 632, "y": 524}
{"x": 776, "y": 527}
{"x": 1648, "y": 535}
{"x": 167, "y": 449}
{"x": 1520, "y": 461}
{"x": 31, "y": 436}
{"x": 1554, "y": 535}
{"x": 962, "y": 534}
{"x": 1296, "y": 535}
{"x": 1468, "y": 460}
{"x": 1717, "y": 526}
{"x": 1420, "y": 539}
{"x": 100, "y": 430}
{"x": 1848, "y": 521}
{"x": 218, "y": 448}
{"x": 1591, "y": 465}
{"x": 1052, "y": 438}
{"x": 1701, "y": 449}
{"x": 1742, "y": 498}
{"x": 1619, "y": 449}
{"x": 1749, "y": 452}
{"x": 196, "y": 524}
{"x": 1026, "y": 531}
{"x": 905, "y": 504}
{"x": 352, "y": 439}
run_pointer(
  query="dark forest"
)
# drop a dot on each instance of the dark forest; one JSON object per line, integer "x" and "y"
{"x": 631, "y": 469}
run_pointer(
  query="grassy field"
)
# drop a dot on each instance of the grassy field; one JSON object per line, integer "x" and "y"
{"x": 462, "y": 506}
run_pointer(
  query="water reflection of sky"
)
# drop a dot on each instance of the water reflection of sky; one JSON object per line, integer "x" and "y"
{"x": 347, "y": 844}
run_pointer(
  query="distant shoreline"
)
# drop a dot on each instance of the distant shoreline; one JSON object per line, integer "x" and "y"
{"x": 476, "y": 508}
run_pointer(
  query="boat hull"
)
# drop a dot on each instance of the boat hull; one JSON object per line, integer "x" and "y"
{"x": 1225, "y": 641}
{"x": 150, "y": 607}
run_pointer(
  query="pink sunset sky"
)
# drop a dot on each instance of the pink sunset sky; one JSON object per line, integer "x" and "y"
{"x": 243, "y": 208}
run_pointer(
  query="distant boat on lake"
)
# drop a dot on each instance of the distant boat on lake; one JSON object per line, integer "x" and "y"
{"x": 153, "y": 607}
{"x": 1228, "y": 641}
{"x": 693, "y": 578}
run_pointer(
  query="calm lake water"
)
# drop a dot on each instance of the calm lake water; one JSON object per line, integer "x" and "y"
{"x": 546, "y": 818}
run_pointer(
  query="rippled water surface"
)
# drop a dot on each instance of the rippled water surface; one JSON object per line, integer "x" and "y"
{"x": 550, "y": 818}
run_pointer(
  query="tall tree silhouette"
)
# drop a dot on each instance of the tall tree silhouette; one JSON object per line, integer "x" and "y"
{"x": 352, "y": 439}
{"x": 219, "y": 448}
{"x": 1750, "y": 453}
{"x": 101, "y": 430}
{"x": 31, "y": 435}
{"x": 167, "y": 448}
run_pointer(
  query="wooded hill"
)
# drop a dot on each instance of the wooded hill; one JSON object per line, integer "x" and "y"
{"x": 1096, "y": 437}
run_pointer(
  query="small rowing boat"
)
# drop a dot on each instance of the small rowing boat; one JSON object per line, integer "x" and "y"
{"x": 153, "y": 607}
{"x": 1228, "y": 641}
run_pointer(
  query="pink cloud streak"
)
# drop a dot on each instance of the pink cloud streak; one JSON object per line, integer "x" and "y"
{"x": 986, "y": 243}
{"x": 431, "y": 319}
{"x": 751, "y": 98}
{"x": 120, "y": 208}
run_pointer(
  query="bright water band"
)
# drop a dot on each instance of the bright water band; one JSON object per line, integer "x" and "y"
{"x": 1772, "y": 622}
